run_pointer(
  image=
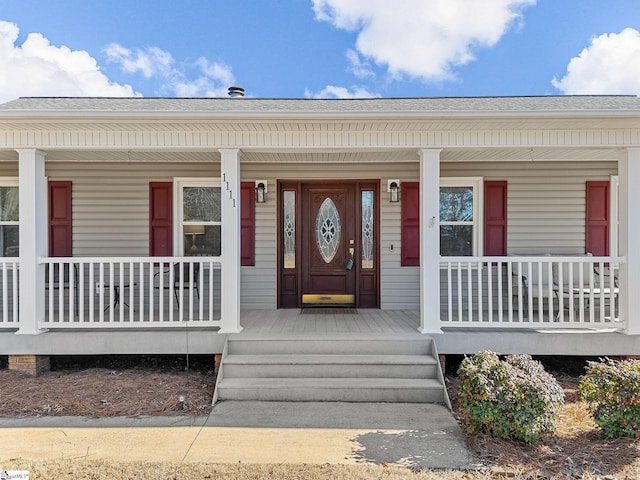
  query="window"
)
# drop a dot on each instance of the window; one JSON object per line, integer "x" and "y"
{"x": 9, "y": 218}
{"x": 460, "y": 221}
{"x": 199, "y": 218}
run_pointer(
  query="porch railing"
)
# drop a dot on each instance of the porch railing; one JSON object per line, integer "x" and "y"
{"x": 530, "y": 292}
{"x": 9, "y": 288}
{"x": 132, "y": 292}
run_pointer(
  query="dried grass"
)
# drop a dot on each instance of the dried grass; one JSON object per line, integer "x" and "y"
{"x": 84, "y": 470}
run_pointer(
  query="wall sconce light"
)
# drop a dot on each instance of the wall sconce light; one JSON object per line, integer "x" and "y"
{"x": 393, "y": 187}
{"x": 261, "y": 190}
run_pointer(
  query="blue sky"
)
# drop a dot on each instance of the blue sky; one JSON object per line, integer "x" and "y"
{"x": 318, "y": 48}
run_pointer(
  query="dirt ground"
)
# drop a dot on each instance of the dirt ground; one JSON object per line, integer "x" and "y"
{"x": 123, "y": 386}
{"x": 110, "y": 386}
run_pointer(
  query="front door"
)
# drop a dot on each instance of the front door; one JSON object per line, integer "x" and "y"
{"x": 328, "y": 252}
{"x": 328, "y": 243}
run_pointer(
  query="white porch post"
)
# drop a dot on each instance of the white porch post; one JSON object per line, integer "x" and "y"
{"x": 430, "y": 241}
{"x": 230, "y": 189}
{"x": 33, "y": 232}
{"x": 629, "y": 239}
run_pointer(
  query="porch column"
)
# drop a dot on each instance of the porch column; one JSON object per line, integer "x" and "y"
{"x": 430, "y": 241}
{"x": 230, "y": 189}
{"x": 33, "y": 233}
{"x": 629, "y": 239}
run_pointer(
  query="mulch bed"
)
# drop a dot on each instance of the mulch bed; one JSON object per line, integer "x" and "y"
{"x": 576, "y": 451}
{"x": 108, "y": 387}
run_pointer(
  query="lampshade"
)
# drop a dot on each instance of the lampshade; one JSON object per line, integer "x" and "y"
{"x": 194, "y": 229}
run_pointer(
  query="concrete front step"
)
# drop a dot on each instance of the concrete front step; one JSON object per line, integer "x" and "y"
{"x": 330, "y": 345}
{"x": 326, "y": 365}
{"x": 332, "y": 389}
{"x": 347, "y": 368}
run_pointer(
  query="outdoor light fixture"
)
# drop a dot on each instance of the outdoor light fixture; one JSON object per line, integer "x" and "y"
{"x": 182, "y": 397}
{"x": 393, "y": 187}
{"x": 261, "y": 190}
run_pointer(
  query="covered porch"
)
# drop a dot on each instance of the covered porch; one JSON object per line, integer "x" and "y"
{"x": 114, "y": 284}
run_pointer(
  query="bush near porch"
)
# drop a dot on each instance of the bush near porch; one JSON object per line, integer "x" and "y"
{"x": 514, "y": 398}
{"x": 611, "y": 389}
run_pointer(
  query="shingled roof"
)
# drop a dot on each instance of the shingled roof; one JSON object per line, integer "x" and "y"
{"x": 254, "y": 106}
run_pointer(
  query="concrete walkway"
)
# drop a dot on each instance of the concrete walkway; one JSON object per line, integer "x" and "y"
{"x": 412, "y": 435}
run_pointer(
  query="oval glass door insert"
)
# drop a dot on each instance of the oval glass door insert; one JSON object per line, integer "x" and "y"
{"x": 328, "y": 230}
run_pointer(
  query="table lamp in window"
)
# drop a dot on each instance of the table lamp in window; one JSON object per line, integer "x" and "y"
{"x": 193, "y": 231}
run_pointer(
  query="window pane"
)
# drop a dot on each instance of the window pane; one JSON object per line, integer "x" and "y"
{"x": 9, "y": 211}
{"x": 9, "y": 239}
{"x": 201, "y": 204}
{"x": 328, "y": 230}
{"x": 202, "y": 240}
{"x": 289, "y": 227}
{"x": 456, "y": 204}
{"x": 367, "y": 229}
{"x": 456, "y": 240}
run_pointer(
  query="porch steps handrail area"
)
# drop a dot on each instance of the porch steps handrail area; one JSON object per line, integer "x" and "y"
{"x": 532, "y": 291}
{"x": 125, "y": 292}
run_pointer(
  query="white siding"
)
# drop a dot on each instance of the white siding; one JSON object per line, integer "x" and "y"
{"x": 111, "y": 202}
{"x": 111, "y": 208}
{"x": 259, "y": 283}
{"x": 546, "y": 201}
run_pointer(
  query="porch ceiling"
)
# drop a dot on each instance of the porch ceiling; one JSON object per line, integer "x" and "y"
{"x": 321, "y": 156}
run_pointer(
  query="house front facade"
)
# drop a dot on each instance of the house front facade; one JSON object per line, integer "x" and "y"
{"x": 149, "y": 225}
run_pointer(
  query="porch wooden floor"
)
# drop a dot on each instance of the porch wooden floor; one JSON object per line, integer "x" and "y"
{"x": 365, "y": 321}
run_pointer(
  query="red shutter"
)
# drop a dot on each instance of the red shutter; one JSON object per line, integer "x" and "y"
{"x": 495, "y": 218}
{"x": 247, "y": 224}
{"x": 410, "y": 226}
{"x": 60, "y": 237}
{"x": 160, "y": 219}
{"x": 597, "y": 218}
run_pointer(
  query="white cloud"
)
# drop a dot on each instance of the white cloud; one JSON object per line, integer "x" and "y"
{"x": 609, "y": 65}
{"x": 332, "y": 91}
{"x": 212, "y": 79}
{"x": 359, "y": 67}
{"x": 149, "y": 62}
{"x": 37, "y": 68}
{"x": 422, "y": 38}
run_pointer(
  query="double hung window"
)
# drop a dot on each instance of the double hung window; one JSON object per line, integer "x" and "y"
{"x": 460, "y": 222}
{"x": 9, "y": 218}
{"x": 199, "y": 218}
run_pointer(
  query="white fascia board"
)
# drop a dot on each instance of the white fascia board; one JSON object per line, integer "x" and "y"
{"x": 66, "y": 115}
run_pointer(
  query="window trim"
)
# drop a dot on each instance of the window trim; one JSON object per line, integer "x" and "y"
{"x": 476, "y": 184}
{"x": 179, "y": 183}
{"x": 614, "y": 216}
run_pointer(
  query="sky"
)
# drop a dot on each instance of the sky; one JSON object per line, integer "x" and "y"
{"x": 318, "y": 48}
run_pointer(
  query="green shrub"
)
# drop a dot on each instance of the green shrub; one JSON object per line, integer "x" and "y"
{"x": 612, "y": 392}
{"x": 515, "y": 398}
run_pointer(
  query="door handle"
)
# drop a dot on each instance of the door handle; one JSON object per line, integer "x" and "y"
{"x": 350, "y": 262}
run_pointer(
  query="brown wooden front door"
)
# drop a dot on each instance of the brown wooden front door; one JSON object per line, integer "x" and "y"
{"x": 328, "y": 239}
{"x": 328, "y": 244}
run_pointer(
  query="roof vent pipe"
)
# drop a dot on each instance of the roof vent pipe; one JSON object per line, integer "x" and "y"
{"x": 236, "y": 92}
